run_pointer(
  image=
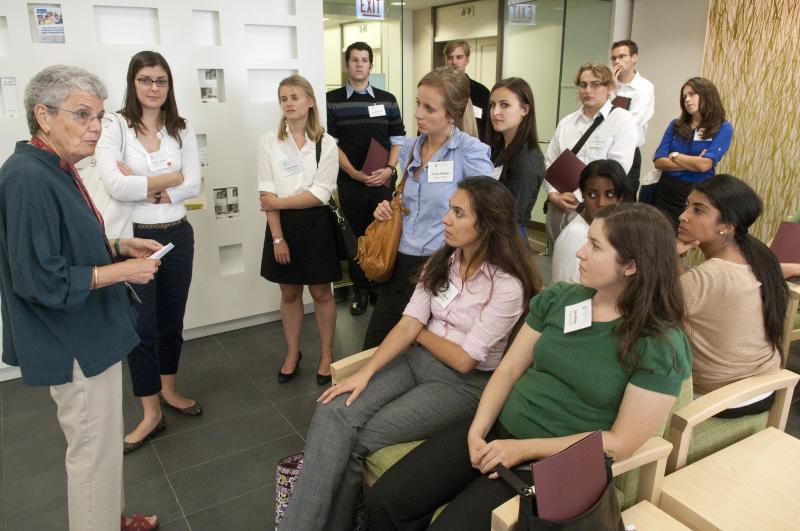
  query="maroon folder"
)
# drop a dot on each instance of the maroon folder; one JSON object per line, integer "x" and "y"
{"x": 622, "y": 102}
{"x": 565, "y": 172}
{"x": 377, "y": 158}
{"x": 786, "y": 243}
{"x": 570, "y": 482}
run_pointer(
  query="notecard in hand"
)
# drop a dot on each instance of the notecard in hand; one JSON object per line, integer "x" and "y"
{"x": 622, "y": 102}
{"x": 377, "y": 158}
{"x": 570, "y": 482}
{"x": 565, "y": 172}
{"x": 786, "y": 243}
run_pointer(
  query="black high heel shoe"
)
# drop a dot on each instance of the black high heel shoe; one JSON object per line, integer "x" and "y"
{"x": 284, "y": 377}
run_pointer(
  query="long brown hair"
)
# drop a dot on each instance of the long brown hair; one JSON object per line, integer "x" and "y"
{"x": 454, "y": 87}
{"x": 499, "y": 241}
{"x": 526, "y": 132}
{"x": 652, "y": 301}
{"x": 711, "y": 110}
{"x": 132, "y": 109}
{"x": 314, "y": 128}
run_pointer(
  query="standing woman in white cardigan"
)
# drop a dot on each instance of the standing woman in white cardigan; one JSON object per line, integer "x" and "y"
{"x": 297, "y": 168}
{"x": 160, "y": 169}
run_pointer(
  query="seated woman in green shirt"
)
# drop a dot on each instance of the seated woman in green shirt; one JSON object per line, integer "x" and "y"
{"x": 617, "y": 368}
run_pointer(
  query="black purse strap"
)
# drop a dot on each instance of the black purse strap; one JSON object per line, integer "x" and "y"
{"x": 517, "y": 484}
{"x": 597, "y": 121}
{"x": 319, "y": 150}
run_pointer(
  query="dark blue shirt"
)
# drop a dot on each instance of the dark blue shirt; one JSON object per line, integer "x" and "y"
{"x": 715, "y": 147}
{"x": 49, "y": 242}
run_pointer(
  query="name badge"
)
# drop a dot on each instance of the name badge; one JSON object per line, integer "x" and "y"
{"x": 158, "y": 161}
{"x": 376, "y": 110}
{"x": 698, "y": 135}
{"x": 477, "y": 111}
{"x": 440, "y": 172}
{"x": 578, "y": 316}
{"x": 290, "y": 167}
{"x": 446, "y": 297}
{"x": 497, "y": 171}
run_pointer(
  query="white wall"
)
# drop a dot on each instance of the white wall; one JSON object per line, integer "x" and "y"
{"x": 671, "y": 37}
{"x": 232, "y": 128}
{"x": 481, "y": 20}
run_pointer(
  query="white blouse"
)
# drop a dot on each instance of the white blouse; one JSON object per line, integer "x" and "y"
{"x": 285, "y": 170}
{"x": 133, "y": 187}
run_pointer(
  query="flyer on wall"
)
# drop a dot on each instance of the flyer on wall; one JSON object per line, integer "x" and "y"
{"x": 209, "y": 89}
{"x": 226, "y": 202}
{"x": 50, "y": 24}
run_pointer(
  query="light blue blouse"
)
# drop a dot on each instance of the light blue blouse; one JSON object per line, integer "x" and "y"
{"x": 423, "y": 231}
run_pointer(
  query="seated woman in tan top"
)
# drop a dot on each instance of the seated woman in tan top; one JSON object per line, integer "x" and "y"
{"x": 737, "y": 298}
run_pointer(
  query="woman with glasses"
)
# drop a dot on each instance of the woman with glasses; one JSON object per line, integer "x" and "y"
{"x": 614, "y": 138}
{"x": 692, "y": 146}
{"x": 159, "y": 170}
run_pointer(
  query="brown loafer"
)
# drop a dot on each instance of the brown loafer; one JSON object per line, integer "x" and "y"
{"x": 130, "y": 447}
{"x": 191, "y": 411}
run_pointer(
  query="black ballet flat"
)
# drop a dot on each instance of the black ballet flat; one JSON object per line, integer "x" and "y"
{"x": 284, "y": 377}
{"x": 132, "y": 447}
{"x": 323, "y": 379}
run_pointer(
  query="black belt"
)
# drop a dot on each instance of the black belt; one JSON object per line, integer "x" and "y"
{"x": 161, "y": 226}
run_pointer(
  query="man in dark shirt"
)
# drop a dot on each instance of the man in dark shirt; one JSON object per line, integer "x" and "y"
{"x": 456, "y": 55}
{"x": 357, "y": 114}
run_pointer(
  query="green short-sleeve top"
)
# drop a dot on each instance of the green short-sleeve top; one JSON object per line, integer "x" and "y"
{"x": 576, "y": 381}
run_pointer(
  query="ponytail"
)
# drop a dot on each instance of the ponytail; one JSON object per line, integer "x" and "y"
{"x": 468, "y": 124}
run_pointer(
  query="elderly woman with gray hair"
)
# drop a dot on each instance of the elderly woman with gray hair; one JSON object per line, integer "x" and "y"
{"x": 67, "y": 317}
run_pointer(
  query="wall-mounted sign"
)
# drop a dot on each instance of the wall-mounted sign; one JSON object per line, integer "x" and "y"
{"x": 521, "y": 13}
{"x": 369, "y": 9}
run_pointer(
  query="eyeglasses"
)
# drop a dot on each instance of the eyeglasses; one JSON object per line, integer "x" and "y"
{"x": 619, "y": 57}
{"x": 84, "y": 117}
{"x": 594, "y": 84}
{"x": 147, "y": 82}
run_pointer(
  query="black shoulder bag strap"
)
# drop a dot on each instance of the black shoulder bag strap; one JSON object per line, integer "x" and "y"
{"x": 319, "y": 150}
{"x": 597, "y": 121}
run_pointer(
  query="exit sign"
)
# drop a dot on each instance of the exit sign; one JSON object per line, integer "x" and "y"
{"x": 521, "y": 13}
{"x": 370, "y": 9}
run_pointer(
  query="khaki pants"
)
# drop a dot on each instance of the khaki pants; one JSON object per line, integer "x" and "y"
{"x": 90, "y": 415}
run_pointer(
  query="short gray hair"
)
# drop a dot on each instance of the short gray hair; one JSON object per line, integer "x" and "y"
{"x": 51, "y": 87}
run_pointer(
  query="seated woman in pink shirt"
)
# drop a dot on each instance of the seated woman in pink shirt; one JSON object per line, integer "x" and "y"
{"x": 433, "y": 365}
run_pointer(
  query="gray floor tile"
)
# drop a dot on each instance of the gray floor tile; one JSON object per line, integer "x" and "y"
{"x": 203, "y": 358}
{"x": 56, "y": 520}
{"x": 34, "y": 458}
{"x": 34, "y": 495}
{"x": 222, "y": 438}
{"x": 254, "y": 511}
{"x": 30, "y": 425}
{"x": 220, "y": 480}
{"x": 19, "y": 398}
{"x": 142, "y": 465}
{"x": 152, "y": 497}
{"x": 177, "y": 525}
{"x": 299, "y": 412}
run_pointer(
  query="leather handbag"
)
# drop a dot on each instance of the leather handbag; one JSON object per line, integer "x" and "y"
{"x": 377, "y": 248}
{"x": 346, "y": 246}
{"x": 116, "y": 214}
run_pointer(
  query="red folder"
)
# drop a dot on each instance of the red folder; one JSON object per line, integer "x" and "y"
{"x": 377, "y": 158}
{"x": 786, "y": 243}
{"x": 622, "y": 102}
{"x": 570, "y": 482}
{"x": 565, "y": 172}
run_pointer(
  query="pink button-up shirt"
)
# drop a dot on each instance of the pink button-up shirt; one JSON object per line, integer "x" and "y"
{"x": 479, "y": 318}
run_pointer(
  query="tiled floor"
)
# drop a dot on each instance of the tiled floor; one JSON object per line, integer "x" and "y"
{"x": 214, "y": 472}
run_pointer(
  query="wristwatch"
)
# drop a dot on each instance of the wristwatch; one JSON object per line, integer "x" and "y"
{"x": 157, "y": 195}
{"x": 394, "y": 171}
{"x": 673, "y": 156}
{"x": 276, "y": 241}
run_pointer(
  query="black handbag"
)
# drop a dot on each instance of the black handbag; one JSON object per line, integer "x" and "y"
{"x": 346, "y": 245}
{"x": 603, "y": 515}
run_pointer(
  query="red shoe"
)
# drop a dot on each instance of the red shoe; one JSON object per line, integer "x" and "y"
{"x": 138, "y": 522}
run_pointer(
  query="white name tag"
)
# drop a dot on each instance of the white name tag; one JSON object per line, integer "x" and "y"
{"x": 578, "y": 316}
{"x": 376, "y": 110}
{"x": 445, "y": 298}
{"x": 477, "y": 111}
{"x": 497, "y": 171}
{"x": 158, "y": 161}
{"x": 698, "y": 135}
{"x": 290, "y": 167}
{"x": 440, "y": 172}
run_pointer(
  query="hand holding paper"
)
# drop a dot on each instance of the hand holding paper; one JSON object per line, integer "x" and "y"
{"x": 158, "y": 255}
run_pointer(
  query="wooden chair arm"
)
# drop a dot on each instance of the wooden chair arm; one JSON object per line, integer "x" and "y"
{"x": 788, "y": 321}
{"x": 685, "y": 419}
{"x": 651, "y": 457}
{"x": 345, "y": 367}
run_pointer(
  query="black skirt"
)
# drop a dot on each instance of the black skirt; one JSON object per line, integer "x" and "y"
{"x": 309, "y": 233}
{"x": 671, "y": 197}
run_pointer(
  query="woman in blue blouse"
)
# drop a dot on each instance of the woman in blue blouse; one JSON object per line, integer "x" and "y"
{"x": 692, "y": 146}
{"x": 436, "y": 161}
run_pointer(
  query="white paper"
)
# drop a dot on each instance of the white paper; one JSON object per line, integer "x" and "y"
{"x": 226, "y": 202}
{"x": 497, "y": 171}
{"x": 445, "y": 298}
{"x": 290, "y": 167}
{"x": 50, "y": 23}
{"x": 376, "y": 110}
{"x": 158, "y": 255}
{"x": 578, "y": 316}
{"x": 158, "y": 161}
{"x": 477, "y": 111}
{"x": 440, "y": 172}
{"x": 10, "y": 108}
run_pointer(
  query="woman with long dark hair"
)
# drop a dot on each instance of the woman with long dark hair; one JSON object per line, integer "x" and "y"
{"x": 159, "y": 170}
{"x": 736, "y": 299}
{"x": 431, "y": 368}
{"x": 518, "y": 161}
{"x": 691, "y": 147}
{"x": 618, "y": 369}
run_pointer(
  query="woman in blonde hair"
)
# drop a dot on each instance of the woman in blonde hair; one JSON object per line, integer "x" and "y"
{"x": 446, "y": 151}
{"x": 297, "y": 167}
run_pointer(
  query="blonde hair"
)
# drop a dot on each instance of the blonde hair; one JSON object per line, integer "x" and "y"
{"x": 451, "y": 46}
{"x": 314, "y": 128}
{"x": 599, "y": 70}
{"x": 454, "y": 87}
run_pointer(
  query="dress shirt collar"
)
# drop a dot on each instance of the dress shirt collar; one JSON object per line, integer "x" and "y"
{"x": 290, "y": 137}
{"x": 456, "y": 137}
{"x": 634, "y": 80}
{"x": 350, "y": 89}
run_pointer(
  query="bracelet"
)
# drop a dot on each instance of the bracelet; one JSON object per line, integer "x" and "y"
{"x": 94, "y": 277}
{"x": 116, "y": 248}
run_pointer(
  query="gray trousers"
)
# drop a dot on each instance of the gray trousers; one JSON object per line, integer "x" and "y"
{"x": 409, "y": 399}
